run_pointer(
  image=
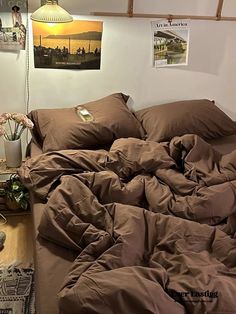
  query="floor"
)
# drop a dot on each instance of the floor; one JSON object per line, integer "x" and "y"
{"x": 18, "y": 246}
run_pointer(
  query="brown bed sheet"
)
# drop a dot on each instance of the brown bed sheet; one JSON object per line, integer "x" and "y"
{"x": 52, "y": 262}
{"x": 225, "y": 144}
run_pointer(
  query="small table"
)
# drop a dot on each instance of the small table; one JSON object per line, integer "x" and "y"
{"x": 18, "y": 229}
{"x": 19, "y": 241}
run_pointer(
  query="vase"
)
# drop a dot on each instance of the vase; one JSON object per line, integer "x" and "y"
{"x": 13, "y": 153}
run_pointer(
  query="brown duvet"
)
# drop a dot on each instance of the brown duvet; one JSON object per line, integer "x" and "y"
{"x": 153, "y": 225}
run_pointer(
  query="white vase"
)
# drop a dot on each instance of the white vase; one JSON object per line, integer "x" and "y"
{"x": 13, "y": 153}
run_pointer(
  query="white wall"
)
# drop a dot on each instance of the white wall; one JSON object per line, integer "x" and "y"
{"x": 127, "y": 63}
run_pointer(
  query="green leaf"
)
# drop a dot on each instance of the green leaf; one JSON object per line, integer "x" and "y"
{"x": 16, "y": 191}
{"x": 24, "y": 204}
{"x": 2, "y": 192}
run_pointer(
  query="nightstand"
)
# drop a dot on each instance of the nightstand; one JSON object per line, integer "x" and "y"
{"x": 18, "y": 229}
{"x": 18, "y": 246}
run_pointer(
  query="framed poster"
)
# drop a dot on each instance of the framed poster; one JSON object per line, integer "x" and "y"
{"x": 75, "y": 45}
{"x": 13, "y": 19}
{"x": 170, "y": 42}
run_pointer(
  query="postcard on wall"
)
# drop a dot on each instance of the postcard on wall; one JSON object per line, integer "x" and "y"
{"x": 75, "y": 45}
{"x": 13, "y": 19}
{"x": 170, "y": 42}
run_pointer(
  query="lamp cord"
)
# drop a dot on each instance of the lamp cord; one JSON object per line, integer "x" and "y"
{"x": 27, "y": 77}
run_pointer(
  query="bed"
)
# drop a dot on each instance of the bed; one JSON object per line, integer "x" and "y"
{"x": 105, "y": 258}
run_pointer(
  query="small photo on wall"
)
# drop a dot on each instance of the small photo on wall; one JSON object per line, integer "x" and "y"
{"x": 75, "y": 45}
{"x": 13, "y": 18}
{"x": 170, "y": 42}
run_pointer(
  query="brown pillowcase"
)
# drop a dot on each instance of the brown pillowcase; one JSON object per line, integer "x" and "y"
{"x": 201, "y": 117}
{"x": 57, "y": 129}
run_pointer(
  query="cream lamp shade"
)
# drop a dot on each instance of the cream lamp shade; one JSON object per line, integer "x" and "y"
{"x": 51, "y": 12}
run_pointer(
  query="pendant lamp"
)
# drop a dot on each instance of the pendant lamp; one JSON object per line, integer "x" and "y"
{"x": 51, "y": 12}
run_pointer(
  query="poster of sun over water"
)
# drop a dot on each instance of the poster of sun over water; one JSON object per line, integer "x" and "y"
{"x": 75, "y": 45}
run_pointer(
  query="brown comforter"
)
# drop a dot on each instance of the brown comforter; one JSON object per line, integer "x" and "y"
{"x": 153, "y": 225}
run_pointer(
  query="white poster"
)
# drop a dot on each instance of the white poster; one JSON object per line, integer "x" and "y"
{"x": 13, "y": 20}
{"x": 170, "y": 42}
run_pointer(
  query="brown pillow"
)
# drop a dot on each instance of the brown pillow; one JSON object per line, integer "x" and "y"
{"x": 201, "y": 117}
{"x": 57, "y": 129}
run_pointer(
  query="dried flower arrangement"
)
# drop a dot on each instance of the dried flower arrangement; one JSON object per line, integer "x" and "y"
{"x": 12, "y": 125}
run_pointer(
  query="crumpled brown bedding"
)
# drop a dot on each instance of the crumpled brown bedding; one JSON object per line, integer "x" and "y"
{"x": 153, "y": 225}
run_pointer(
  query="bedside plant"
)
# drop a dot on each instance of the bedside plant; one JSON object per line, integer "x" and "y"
{"x": 15, "y": 193}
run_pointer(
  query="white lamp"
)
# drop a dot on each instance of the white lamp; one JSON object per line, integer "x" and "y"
{"x": 51, "y": 12}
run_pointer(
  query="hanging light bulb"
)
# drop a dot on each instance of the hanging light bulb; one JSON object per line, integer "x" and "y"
{"x": 51, "y": 12}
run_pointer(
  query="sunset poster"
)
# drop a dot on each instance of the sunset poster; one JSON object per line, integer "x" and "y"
{"x": 75, "y": 45}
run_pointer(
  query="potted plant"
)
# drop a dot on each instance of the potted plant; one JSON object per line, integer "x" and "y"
{"x": 15, "y": 193}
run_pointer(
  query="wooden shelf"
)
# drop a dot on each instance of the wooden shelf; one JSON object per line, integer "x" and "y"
{"x": 6, "y": 170}
{"x": 7, "y": 212}
{"x": 18, "y": 246}
{"x": 130, "y": 13}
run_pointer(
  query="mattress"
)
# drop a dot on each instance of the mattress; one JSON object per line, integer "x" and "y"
{"x": 52, "y": 262}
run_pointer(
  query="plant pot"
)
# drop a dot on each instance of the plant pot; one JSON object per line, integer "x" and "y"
{"x": 13, "y": 153}
{"x": 12, "y": 205}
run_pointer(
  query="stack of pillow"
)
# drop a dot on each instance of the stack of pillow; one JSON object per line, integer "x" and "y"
{"x": 63, "y": 128}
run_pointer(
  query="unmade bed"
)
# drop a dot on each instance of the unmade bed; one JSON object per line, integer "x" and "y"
{"x": 139, "y": 227}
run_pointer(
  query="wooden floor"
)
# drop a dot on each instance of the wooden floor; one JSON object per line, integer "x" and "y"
{"x": 18, "y": 246}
